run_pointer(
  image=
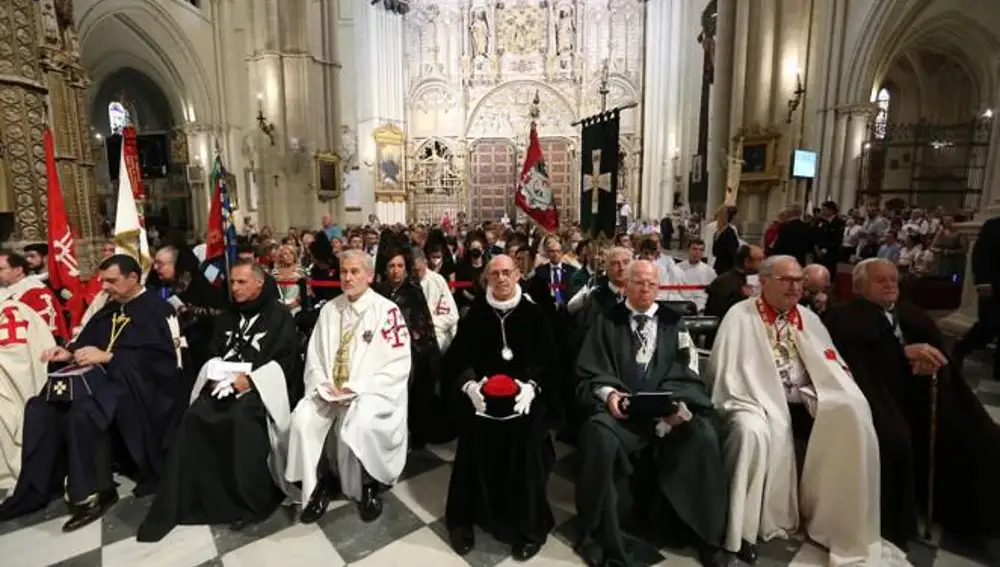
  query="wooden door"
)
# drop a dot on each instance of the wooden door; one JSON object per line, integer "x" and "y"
{"x": 493, "y": 173}
{"x": 559, "y": 165}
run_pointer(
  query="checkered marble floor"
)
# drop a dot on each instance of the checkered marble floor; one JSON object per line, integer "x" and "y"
{"x": 410, "y": 533}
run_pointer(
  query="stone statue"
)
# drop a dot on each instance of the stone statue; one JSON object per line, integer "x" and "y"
{"x": 64, "y": 12}
{"x": 565, "y": 32}
{"x": 480, "y": 34}
{"x": 50, "y": 24}
{"x": 348, "y": 146}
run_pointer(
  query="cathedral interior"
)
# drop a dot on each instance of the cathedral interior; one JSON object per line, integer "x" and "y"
{"x": 424, "y": 107}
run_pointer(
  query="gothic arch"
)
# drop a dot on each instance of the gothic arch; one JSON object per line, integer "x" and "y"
{"x": 560, "y": 100}
{"x": 419, "y": 89}
{"x": 617, "y": 80}
{"x": 170, "y": 58}
{"x": 894, "y": 26}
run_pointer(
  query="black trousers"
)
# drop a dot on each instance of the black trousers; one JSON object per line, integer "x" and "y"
{"x": 985, "y": 330}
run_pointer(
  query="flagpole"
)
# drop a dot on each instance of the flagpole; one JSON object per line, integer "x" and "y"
{"x": 225, "y": 231}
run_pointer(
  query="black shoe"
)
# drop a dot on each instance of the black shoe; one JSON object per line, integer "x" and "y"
{"x": 524, "y": 551}
{"x": 747, "y": 552}
{"x": 370, "y": 506}
{"x": 317, "y": 505}
{"x": 711, "y": 557}
{"x": 89, "y": 513}
{"x": 591, "y": 553}
{"x": 462, "y": 540}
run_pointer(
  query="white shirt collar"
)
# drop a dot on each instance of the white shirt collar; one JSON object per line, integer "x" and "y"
{"x": 649, "y": 312}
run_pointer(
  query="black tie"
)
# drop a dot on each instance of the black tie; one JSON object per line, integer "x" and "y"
{"x": 894, "y": 321}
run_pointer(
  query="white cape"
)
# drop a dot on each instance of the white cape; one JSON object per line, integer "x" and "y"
{"x": 373, "y": 426}
{"x": 838, "y": 494}
{"x": 441, "y": 303}
{"x": 269, "y": 380}
{"x": 22, "y": 376}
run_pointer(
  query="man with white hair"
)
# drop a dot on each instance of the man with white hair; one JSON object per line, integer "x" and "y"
{"x": 351, "y": 426}
{"x": 605, "y": 291}
{"x": 649, "y": 412}
{"x": 440, "y": 300}
{"x": 793, "y": 413}
{"x": 895, "y": 353}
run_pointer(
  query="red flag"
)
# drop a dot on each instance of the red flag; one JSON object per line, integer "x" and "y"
{"x": 130, "y": 154}
{"x": 533, "y": 194}
{"x": 64, "y": 272}
{"x": 215, "y": 245}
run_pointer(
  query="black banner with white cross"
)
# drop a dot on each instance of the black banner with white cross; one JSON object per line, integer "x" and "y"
{"x": 599, "y": 173}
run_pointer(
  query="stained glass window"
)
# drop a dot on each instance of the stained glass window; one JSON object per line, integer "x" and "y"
{"x": 118, "y": 117}
{"x": 882, "y": 114}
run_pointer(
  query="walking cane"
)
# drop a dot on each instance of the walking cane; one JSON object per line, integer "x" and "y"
{"x": 928, "y": 528}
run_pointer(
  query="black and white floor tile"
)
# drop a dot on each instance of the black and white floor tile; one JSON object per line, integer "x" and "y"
{"x": 410, "y": 533}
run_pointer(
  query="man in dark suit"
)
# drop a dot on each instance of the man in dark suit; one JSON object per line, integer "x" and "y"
{"x": 795, "y": 238}
{"x": 986, "y": 276}
{"x": 830, "y": 235}
{"x": 732, "y": 287}
{"x": 555, "y": 278}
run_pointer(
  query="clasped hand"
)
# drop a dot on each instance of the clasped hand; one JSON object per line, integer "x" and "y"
{"x": 329, "y": 392}
{"x": 925, "y": 360}
{"x": 86, "y": 356}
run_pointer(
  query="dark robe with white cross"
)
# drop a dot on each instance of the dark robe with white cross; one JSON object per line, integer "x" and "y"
{"x": 626, "y": 461}
{"x": 501, "y": 468}
{"x": 134, "y": 400}
{"x": 227, "y": 462}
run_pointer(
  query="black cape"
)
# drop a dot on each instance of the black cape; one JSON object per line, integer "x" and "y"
{"x": 968, "y": 440}
{"x": 426, "y": 408}
{"x": 688, "y": 461}
{"x": 217, "y": 471}
{"x": 139, "y": 401}
{"x": 501, "y": 468}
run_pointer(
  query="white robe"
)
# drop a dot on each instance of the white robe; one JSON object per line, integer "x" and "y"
{"x": 441, "y": 302}
{"x": 269, "y": 380}
{"x": 838, "y": 495}
{"x": 373, "y": 426}
{"x": 22, "y": 376}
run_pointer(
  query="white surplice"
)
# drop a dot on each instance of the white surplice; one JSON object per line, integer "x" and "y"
{"x": 373, "y": 425}
{"x": 24, "y": 335}
{"x": 441, "y": 302}
{"x": 837, "y": 496}
{"x": 269, "y": 381}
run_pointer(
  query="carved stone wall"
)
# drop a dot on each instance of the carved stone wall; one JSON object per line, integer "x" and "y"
{"x": 42, "y": 85}
{"x": 475, "y": 68}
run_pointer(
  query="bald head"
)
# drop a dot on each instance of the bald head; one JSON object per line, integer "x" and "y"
{"x": 501, "y": 277}
{"x": 640, "y": 268}
{"x": 817, "y": 276}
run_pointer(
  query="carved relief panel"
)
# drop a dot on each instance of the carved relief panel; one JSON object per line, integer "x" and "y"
{"x": 436, "y": 180}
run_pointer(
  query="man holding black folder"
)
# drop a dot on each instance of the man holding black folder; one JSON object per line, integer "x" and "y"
{"x": 651, "y": 428}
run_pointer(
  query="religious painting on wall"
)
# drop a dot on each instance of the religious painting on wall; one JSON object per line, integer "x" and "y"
{"x": 327, "y": 175}
{"x": 759, "y": 154}
{"x": 389, "y": 159}
{"x": 600, "y": 146}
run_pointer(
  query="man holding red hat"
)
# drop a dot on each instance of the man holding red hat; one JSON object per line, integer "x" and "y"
{"x": 503, "y": 356}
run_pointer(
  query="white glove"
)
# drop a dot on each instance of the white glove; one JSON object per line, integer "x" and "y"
{"x": 223, "y": 388}
{"x": 662, "y": 428}
{"x": 474, "y": 390}
{"x": 522, "y": 403}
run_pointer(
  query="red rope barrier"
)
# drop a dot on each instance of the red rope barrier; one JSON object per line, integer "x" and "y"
{"x": 466, "y": 285}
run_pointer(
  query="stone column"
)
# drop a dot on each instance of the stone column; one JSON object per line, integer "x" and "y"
{"x": 719, "y": 128}
{"x": 381, "y": 89}
{"x": 661, "y": 111}
{"x": 854, "y": 145}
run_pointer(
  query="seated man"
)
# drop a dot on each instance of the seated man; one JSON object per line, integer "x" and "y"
{"x": 504, "y": 458}
{"x": 635, "y": 348}
{"x": 894, "y": 350}
{"x": 24, "y": 338}
{"x": 792, "y": 406}
{"x": 351, "y": 424}
{"x": 228, "y": 460}
{"x": 816, "y": 289}
{"x": 133, "y": 339}
{"x": 16, "y": 284}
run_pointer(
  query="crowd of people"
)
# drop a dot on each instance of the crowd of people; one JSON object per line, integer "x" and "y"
{"x": 310, "y": 365}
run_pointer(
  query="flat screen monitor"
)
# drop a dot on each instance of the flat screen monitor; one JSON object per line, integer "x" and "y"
{"x": 804, "y": 164}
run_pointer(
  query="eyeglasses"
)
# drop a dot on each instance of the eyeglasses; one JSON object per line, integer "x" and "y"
{"x": 789, "y": 280}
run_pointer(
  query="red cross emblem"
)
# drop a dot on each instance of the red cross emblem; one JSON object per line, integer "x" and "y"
{"x": 395, "y": 329}
{"x": 442, "y": 308}
{"x": 9, "y": 326}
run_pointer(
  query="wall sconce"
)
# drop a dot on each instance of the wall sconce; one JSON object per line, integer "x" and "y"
{"x": 262, "y": 123}
{"x": 796, "y": 100}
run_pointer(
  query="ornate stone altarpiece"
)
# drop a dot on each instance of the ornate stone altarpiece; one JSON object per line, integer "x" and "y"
{"x": 39, "y": 60}
{"x": 475, "y": 68}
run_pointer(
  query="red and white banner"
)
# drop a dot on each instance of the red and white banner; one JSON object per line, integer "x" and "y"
{"x": 64, "y": 271}
{"x": 130, "y": 165}
{"x": 533, "y": 194}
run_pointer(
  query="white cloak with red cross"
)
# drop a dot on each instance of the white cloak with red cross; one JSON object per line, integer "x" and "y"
{"x": 372, "y": 426}
{"x": 36, "y": 295}
{"x": 24, "y": 335}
